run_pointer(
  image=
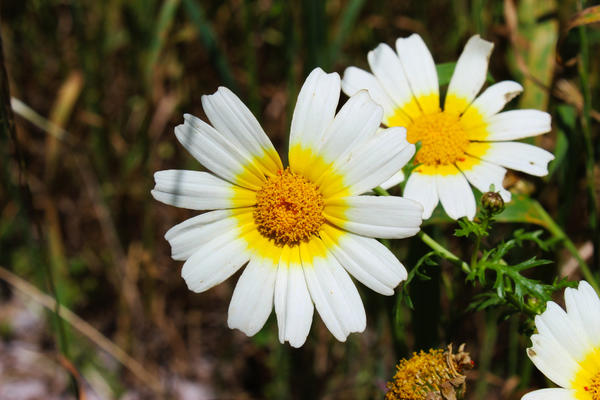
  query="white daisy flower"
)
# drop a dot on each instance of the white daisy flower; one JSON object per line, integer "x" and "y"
{"x": 300, "y": 229}
{"x": 567, "y": 347}
{"x": 468, "y": 140}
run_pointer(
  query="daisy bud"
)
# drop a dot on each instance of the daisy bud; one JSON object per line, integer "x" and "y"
{"x": 492, "y": 203}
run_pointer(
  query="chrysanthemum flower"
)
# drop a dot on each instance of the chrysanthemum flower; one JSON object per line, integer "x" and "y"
{"x": 434, "y": 375}
{"x": 567, "y": 347}
{"x": 300, "y": 229}
{"x": 466, "y": 141}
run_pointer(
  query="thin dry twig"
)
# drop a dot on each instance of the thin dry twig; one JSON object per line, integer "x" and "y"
{"x": 84, "y": 328}
{"x": 68, "y": 365}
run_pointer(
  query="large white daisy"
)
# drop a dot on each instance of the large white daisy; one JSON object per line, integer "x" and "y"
{"x": 567, "y": 347}
{"x": 300, "y": 229}
{"x": 468, "y": 140}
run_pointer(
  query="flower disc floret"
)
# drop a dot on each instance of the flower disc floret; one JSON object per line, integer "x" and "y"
{"x": 594, "y": 388}
{"x": 443, "y": 140}
{"x": 289, "y": 208}
{"x": 436, "y": 375}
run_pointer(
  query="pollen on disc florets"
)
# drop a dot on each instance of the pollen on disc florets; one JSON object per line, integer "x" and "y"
{"x": 594, "y": 388}
{"x": 443, "y": 140}
{"x": 289, "y": 208}
{"x": 433, "y": 375}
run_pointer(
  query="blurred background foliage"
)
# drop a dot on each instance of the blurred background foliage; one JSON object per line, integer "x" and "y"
{"x": 98, "y": 87}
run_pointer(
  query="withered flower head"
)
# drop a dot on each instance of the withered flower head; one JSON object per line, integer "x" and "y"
{"x": 433, "y": 375}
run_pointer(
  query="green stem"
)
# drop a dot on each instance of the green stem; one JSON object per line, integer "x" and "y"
{"x": 569, "y": 245}
{"x": 429, "y": 241}
{"x": 442, "y": 251}
{"x": 379, "y": 191}
{"x": 484, "y": 223}
{"x": 475, "y": 252}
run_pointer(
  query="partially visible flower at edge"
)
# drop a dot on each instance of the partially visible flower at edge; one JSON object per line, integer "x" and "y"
{"x": 468, "y": 140}
{"x": 300, "y": 229}
{"x": 567, "y": 347}
{"x": 433, "y": 375}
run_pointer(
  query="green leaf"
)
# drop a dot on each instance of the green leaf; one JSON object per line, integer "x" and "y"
{"x": 163, "y": 26}
{"x": 536, "y": 57}
{"x": 522, "y": 209}
{"x": 588, "y": 16}
{"x": 566, "y": 121}
{"x": 445, "y": 71}
{"x": 469, "y": 227}
{"x": 347, "y": 22}
{"x": 206, "y": 34}
{"x": 404, "y": 294}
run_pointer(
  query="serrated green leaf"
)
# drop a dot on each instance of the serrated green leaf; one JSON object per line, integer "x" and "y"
{"x": 469, "y": 227}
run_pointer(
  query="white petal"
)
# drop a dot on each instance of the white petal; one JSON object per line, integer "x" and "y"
{"x": 368, "y": 166}
{"x": 187, "y": 237}
{"x": 583, "y": 308}
{"x": 228, "y": 114}
{"x": 552, "y": 360}
{"x": 456, "y": 196}
{"x": 332, "y": 291}
{"x": 550, "y": 394}
{"x": 422, "y": 188}
{"x": 482, "y": 174}
{"x": 420, "y": 71}
{"x": 386, "y": 66}
{"x": 517, "y": 124}
{"x": 315, "y": 108}
{"x": 369, "y": 261}
{"x": 397, "y": 178}
{"x": 494, "y": 98}
{"x": 382, "y": 217}
{"x": 280, "y": 295}
{"x": 199, "y": 191}
{"x": 356, "y": 79}
{"x": 252, "y": 299}
{"x": 218, "y": 154}
{"x": 555, "y": 322}
{"x": 357, "y": 122}
{"x": 519, "y": 156}
{"x": 215, "y": 261}
{"x": 293, "y": 306}
{"x": 470, "y": 71}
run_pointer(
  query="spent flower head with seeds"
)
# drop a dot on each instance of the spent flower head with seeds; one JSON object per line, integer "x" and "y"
{"x": 301, "y": 230}
{"x": 567, "y": 347}
{"x": 433, "y": 375}
{"x": 466, "y": 141}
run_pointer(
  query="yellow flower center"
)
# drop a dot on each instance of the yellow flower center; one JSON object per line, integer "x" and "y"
{"x": 587, "y": 380}
{"x": 415, "y": 376}
{"x": 430, "y": 375}
{"x": 289, "y": 208}
{"x": 594, "y": 388}
{"x": 443, "y": 140}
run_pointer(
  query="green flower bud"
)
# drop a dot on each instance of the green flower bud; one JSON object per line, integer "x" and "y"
{"x": 492, "y": 203}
